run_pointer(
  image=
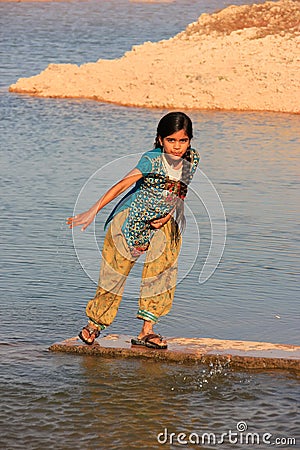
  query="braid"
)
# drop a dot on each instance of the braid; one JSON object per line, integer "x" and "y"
{"x": 185, "y": 181}
{"x": 186, "y": 171}
{"x": 180, "y": 222}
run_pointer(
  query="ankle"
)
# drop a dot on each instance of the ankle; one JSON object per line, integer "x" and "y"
{"x": 147, "y": 328}
{"x": 96, "y": 326}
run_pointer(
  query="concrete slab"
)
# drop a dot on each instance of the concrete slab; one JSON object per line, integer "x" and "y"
{"x": 239, "y": 354}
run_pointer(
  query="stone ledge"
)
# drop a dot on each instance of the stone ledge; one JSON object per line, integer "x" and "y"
{"x": 239, "y": 354}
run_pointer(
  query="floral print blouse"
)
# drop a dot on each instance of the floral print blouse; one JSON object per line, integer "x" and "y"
{"x": 154, "y": 196}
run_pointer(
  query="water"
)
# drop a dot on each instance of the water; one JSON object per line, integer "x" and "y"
{"x": 50, "y": 148}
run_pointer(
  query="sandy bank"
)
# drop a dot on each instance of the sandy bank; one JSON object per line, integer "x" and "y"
{"x": 241, "y": 58}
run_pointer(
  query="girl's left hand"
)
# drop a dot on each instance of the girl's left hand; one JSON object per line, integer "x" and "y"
{"x": 159, "y": 223}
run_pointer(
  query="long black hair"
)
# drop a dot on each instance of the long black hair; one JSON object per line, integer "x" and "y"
{"x": 169, "y": 124}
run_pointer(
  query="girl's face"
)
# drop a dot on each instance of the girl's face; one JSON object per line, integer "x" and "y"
{"x": 176, "y": 144}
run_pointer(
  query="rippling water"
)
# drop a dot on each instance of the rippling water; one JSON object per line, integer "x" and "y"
{"x": 87, "y": 402}
{"x": 49, "y": 150}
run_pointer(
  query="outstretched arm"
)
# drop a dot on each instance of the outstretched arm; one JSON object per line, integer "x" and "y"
{"x": 87, "y": 217}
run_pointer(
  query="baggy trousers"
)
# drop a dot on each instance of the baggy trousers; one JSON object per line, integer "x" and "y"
{"x": 158, "y": 277}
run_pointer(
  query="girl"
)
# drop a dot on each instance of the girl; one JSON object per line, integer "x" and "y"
{"x": 143, "y": 222}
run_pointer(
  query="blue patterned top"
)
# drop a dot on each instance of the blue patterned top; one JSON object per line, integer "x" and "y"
{"x": 153, "y": 196}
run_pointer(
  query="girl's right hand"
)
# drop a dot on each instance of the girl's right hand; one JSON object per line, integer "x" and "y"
{"x": 85, "y": 219}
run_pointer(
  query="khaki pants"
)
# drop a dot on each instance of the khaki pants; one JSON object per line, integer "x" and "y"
{"x": 158, "y": 277}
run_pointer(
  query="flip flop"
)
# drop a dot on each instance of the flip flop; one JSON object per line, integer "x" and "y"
{"x": 93, "y": 334}
{"x": 146, "y": 341}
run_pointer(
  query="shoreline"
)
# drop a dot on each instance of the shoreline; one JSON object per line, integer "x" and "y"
{"x": 242, "y": 58}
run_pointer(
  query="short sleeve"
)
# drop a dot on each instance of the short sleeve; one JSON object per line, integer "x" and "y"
{"x": 144, "y": 165}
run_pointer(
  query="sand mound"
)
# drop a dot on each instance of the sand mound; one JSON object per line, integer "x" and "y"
{"x": 269, "y": 19}
{"x": 240, "y": 58}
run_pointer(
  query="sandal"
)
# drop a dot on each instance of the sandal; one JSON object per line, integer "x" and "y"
{"x": 146, "y": 341}
{"x": 93, "y": 334}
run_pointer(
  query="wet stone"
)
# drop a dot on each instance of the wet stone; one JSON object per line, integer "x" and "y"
{"x": 239, "y": 354}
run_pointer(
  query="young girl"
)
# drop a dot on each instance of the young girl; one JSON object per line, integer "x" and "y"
{"x": 143, "y": 222}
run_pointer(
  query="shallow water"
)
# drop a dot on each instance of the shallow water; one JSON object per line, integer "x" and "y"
{"x": 49, "y": 149}
{"x": 85, "y": 402}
